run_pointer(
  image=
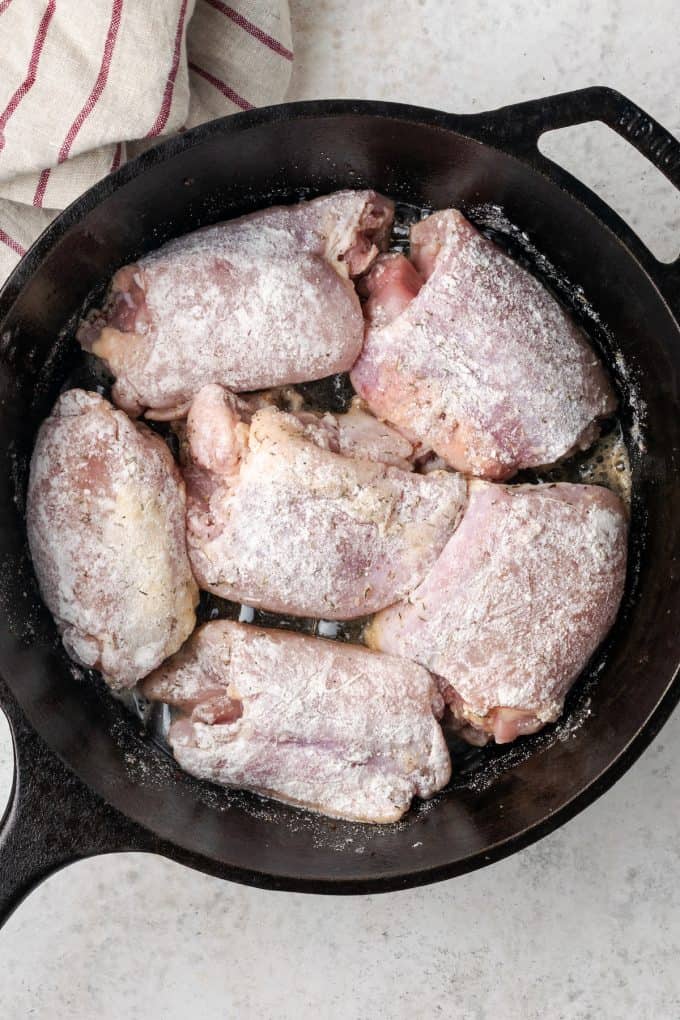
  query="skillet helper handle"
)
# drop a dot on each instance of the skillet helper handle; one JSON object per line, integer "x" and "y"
{"x": 520, "y": 126}
{"x": 52, "y": 818}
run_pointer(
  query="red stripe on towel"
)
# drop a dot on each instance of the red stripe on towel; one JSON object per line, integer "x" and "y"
{"x": 100, "y": 82}
{"x": 29, "y": 81}
{"x": 40, "y": 190}
{"x": 115, "y": 162}
{"x": 222, "y": 87}
{"x": 164, "y": 112}
{"x": 9, "y": 241}
{"x": 251, "y": 29}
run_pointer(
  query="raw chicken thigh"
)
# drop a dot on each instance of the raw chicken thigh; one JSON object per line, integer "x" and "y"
{"x": 259, "y": 301}
{"x": 469, "y": 355}
{"x": 320, "y": 724}
{"x": 522, "y": 595}
{"x": 105, "y": 523}
{"x": 304, "y": 514}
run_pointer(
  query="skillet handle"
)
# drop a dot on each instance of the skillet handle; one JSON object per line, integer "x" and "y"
{"x": 52, "y": 819}
{"x": 519, "y": 127}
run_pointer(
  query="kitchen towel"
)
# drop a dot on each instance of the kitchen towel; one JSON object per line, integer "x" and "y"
{"x": 87, "y": 84}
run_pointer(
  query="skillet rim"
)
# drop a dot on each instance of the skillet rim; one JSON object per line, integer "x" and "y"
{"x": 479, "y": 129}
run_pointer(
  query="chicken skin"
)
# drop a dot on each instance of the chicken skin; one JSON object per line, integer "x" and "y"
{"x": 264, "y": 300}
{"x": 520, "y": 598}
{"x": 105, "y": 520}
{"x": 470, "y": 356}
{"x": 320, "y": 724}
{"x": 304, "y": 515}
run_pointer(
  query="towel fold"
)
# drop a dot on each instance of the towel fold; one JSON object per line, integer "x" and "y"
{"x": 85, "y": 86}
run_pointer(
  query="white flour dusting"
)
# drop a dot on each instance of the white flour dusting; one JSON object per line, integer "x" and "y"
{"x": 523, "y": 593}
{"x": 483, "y": 366}
{"x": 105, "y": 524}
{"x": 292, "y": 526}
{"x": 331, "y": 727}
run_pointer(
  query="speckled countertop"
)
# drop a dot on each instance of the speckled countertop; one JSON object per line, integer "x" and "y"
{"x": 585, "y": 924}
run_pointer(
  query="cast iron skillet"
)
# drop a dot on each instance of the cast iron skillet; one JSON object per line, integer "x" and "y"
{"x": 88, "y": 779}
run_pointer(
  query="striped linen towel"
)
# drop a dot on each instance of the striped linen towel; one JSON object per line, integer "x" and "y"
{"x": 87, "y": 84}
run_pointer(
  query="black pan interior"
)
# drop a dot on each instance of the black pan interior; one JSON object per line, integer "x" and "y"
{"x": 498, "y": 798}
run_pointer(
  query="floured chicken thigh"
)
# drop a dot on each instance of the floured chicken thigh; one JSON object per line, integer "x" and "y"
{"x": 259, "y": 301}
{"x": 306, "y": 514}
{"x": 105, "y": 524}
{"x": 323, "y": 725}
{"x": 469, "y": 355}
{"x": 521, "y": 597}
{"x": 355, "y": 433}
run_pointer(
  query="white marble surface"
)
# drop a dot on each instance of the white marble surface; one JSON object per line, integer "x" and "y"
{"x": 585, "y": 924}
